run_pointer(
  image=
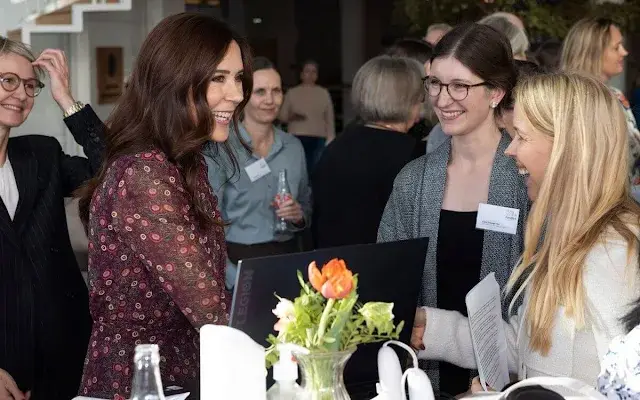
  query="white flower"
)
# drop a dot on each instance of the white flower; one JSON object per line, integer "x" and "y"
{"x": 284, "y": 309}
{"x": 285, "y": 312}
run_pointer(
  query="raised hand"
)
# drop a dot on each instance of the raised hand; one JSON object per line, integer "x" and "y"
{"x": 54, "y": 61}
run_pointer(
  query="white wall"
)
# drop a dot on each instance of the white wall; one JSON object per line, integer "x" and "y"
{"x": 10, "y": 15}
{"x": 126, "y": 29}
{"x": 114, "y": 29}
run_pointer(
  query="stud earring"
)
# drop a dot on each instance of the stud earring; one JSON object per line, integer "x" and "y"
{"x": 494, "y": 105}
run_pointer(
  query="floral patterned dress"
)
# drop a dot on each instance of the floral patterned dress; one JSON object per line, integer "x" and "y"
{"x": 155, "y": 276}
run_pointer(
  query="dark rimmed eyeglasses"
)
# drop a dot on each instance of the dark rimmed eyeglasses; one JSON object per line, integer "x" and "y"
{"x": 11, "y": 82}
{"x": 457, "y": 91}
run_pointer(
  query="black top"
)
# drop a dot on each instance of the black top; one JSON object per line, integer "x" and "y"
{"x": 44, "y": 303}
{"x": 419, "y": 131}
{"x": 458, "y": 259}
{"x": 353, "y": 181}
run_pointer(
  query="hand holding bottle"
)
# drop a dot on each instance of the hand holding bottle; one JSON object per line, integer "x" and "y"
{"x": 289, "y": 210}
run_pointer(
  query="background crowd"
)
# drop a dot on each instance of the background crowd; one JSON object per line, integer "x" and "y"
{"x": 181, "y": 181}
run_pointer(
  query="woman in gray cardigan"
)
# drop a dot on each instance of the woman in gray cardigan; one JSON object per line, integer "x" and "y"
{"x": 465, "y": 194}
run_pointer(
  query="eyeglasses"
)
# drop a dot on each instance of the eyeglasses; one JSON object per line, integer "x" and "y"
{"x": 457, "y": 91}
{"x": 11, "y": 82}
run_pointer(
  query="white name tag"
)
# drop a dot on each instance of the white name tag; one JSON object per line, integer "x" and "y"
{"x": 497, "y": 218}
{"x": 257, "y": 169}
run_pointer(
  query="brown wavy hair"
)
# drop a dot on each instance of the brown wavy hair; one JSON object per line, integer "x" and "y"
{"x": 165, "y": 103}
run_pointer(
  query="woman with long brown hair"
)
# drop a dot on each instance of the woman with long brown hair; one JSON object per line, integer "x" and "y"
{"x": 156, "y": 240}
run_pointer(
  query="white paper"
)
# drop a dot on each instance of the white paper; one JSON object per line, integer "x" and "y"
{"x": 257, "y": 169}
{"x": 497, "y": 218}
{"x": 487, "y": 333}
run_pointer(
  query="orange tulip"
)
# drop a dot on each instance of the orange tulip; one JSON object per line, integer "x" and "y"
{"x": 334, "y": 282}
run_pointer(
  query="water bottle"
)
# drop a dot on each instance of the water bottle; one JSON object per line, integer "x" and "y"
{"x": 147, "y": 384}
{"x": 283, "y": 194}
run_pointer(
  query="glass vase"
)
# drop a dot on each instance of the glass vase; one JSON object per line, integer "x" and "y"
{"x": 322, "y": 374}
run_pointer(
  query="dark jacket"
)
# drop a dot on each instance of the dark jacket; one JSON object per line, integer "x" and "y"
{"x": 352, "y": 183}
{"x": 44, "y": 306}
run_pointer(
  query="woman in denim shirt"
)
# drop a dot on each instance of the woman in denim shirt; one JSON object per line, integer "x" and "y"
{"x": 247, "y": 199}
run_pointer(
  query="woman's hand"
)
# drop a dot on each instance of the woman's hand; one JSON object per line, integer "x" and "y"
{"x": 9, "y": 389}
{"x": 290, "y": 210}
{"x": 419, "y": 326}
{"x": 476, "y": 386}
{"x": 55, "y": 63}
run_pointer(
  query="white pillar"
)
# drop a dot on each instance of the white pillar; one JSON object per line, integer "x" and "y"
{"x": 157, "y": 10}
{"x": 79, "y": 57}
{"x": 352, "y": 13}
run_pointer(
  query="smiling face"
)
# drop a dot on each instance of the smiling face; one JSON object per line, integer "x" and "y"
{"x": 614, "y": 54}
{"x": 266, "y": 98}
{"x": 225, "y": 91}
{"x": 470, "y": 106}
{"x": 532, "y": 151}
{"x": 15, "y": 105}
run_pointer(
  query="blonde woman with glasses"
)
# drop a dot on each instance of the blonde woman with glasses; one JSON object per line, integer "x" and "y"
{"x": 579, "y": 267}
{"x": 44, "y": 304}
{"x": 595, "y": 46}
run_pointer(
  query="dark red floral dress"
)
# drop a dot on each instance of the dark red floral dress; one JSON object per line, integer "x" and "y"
{"x": 155, "y": 277}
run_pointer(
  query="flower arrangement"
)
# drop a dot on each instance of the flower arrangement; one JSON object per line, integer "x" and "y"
{"x": 327, "y": 317}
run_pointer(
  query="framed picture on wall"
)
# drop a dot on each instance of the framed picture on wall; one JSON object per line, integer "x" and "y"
{"x": 110, "y": 74}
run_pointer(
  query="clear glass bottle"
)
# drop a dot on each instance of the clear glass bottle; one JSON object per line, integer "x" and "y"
{"x": 147, "y": 383}
{"x": 283, "y": 194}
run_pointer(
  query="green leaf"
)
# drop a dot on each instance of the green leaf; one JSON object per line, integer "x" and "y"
{"x": 399, "y": 328}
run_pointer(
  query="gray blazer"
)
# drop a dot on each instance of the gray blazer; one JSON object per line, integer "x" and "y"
{"x": 413, "y": 211}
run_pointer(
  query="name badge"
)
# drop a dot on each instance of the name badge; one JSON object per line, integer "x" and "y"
{"x": 257, "y": 170}
{"x": 497, "y": 218}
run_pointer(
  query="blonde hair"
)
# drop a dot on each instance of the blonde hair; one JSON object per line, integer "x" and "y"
{"x": 584, "y": 46}
{"x": 585, "y": 192}
{"x": 10, "y": 46}
{"x": 517, "y": 37}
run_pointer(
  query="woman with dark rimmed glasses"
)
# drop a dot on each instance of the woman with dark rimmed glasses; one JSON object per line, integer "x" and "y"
{"x": 44, "y": 315}
{"x": 10, "y": 82}
{"x": 442, "y": 195}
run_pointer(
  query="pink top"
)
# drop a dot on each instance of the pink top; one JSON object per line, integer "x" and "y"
{"x": 155, "y": 276}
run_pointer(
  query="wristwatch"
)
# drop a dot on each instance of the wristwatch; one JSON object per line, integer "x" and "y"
{"x": 75, "y": 107}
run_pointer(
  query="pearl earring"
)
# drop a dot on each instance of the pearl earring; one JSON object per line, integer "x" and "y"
{"x": 494, "y": 105}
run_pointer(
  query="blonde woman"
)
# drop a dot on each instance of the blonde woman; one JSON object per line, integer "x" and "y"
{"x": 579, "y": 267}
{"x": 595, "y": 46}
